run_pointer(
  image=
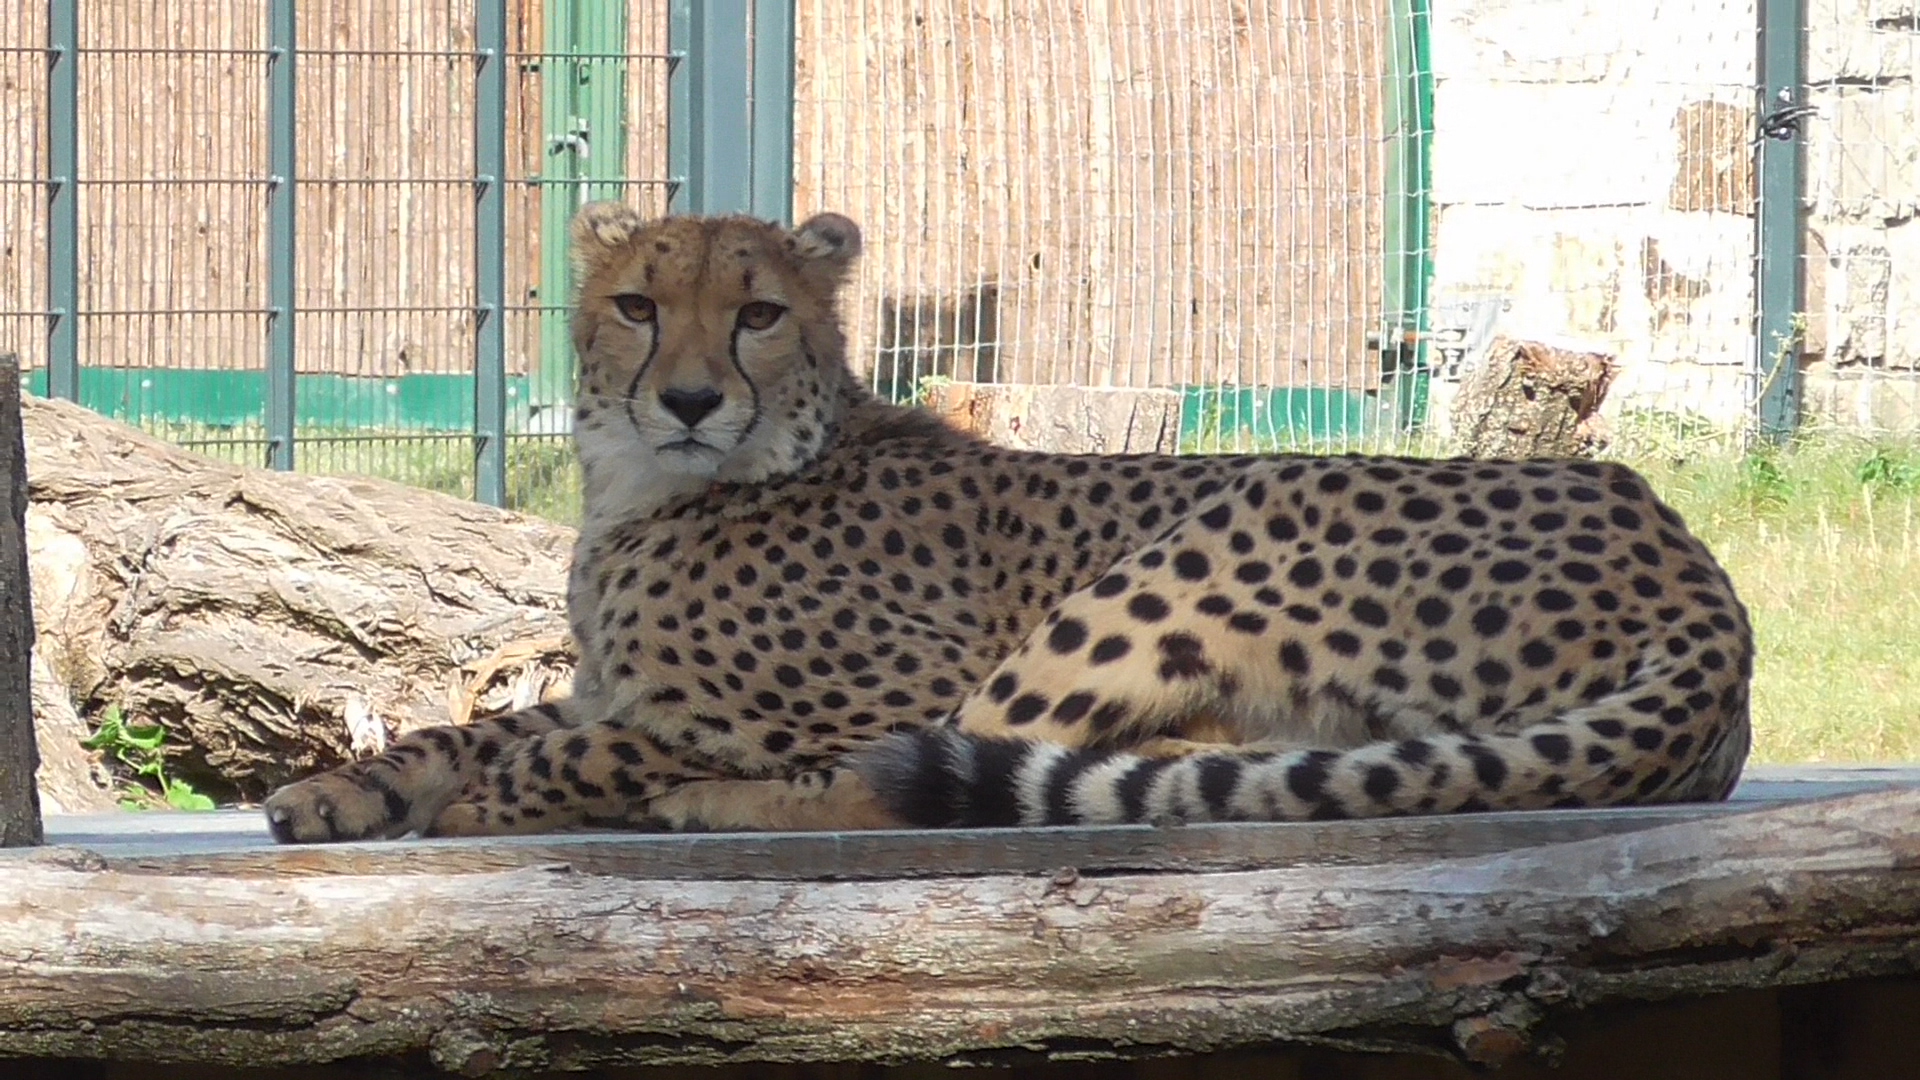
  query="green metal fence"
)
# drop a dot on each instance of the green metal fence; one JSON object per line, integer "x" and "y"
{"x": 289, "y": 328}
{"x": 331, "y": 237}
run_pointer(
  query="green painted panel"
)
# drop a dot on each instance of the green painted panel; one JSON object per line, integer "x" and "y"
{"x": 584, "y": 109}
{"x": 442, "y": 403}
{"x": 1215, "y": 418}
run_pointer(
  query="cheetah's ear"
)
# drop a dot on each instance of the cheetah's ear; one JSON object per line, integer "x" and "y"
{"x": 601, "y": 231}
{"x": 827, "y": 244}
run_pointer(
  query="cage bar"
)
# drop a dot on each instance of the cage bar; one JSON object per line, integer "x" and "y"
{"x": 63, "y": 197}
{"x": 282, "y": 232}
{"x": 1780, "y": 218}
{"x": 490, "y": 253}
{"x": 772, "y": 106}
{"x": 711, "y": 108}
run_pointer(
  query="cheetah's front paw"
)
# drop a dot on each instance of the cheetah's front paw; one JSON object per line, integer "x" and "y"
{"x": 333, "y": 807}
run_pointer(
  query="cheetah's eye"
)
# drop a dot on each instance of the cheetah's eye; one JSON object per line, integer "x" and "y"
{"x": 760, "y": 314}
{"x": 635, "y": 307}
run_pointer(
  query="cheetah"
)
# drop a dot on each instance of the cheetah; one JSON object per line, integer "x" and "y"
{"x": 798, "y": 606}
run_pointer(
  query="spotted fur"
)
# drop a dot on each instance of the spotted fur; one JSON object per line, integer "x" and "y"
{"x": 798, "y": 606}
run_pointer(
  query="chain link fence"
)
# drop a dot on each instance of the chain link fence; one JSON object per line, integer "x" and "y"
{"x": 1181, "y": 225}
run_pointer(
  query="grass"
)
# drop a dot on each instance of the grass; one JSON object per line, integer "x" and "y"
{"x": 1821, "y": 537}
{"x": 1823, "y": 542}
{"x": 542, "y": 475}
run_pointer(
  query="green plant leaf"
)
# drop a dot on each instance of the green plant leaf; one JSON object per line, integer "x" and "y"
{"x": 181, "y": 796}
{"x": 107, "y": 734}
{"x": 144, "y": 736}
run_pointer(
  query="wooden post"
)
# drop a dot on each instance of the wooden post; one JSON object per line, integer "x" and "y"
{"x": 19, "y": 757}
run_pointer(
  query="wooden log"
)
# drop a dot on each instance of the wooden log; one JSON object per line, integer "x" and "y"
{"x": 1529, "y": 399}
{"x": 1062, "y": 419}
{"x": 549, "y": 967}
{"x": 276, "y": 624}
{"x": 19, "y": 756}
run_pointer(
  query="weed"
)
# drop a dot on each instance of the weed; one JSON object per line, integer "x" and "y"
{"x": 1764, "y": 485}
{"x": 137, "y": 746}
{"x": 1890, "y": 470}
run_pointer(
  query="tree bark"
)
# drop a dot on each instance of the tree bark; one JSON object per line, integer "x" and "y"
{"x": 276, "y": 623}
{"x": 1062, "y": 419}
{"x": 552, "y": 967}
{"x": 19, "y": 756}
{"x": 1527, "y": 399}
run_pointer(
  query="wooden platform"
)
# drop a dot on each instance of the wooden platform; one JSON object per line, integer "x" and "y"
{"x": 236, "y": 841}
{"x": 178, "y": 939}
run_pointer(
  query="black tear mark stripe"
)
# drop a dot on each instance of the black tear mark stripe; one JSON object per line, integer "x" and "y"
{"x": 633, "y": 387}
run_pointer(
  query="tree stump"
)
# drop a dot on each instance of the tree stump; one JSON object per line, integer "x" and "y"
{"x": 19, "y": 758}
{"x": 275, "y": 623}
{"x": 1527, "y": 399}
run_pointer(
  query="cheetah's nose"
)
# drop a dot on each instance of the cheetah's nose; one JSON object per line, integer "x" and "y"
{"x": 691, "y": 406}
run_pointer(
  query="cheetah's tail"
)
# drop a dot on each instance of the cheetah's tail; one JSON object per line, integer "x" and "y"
{"x": 1601, "y": 755}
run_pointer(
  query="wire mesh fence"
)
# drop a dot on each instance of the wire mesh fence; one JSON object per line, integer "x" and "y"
{"x": 1198, "y": 198}
{"x": 1863, "y": 236}
{"x": 1594, "y": 188}
{"x": 173, "y": 114}
{"x": 1258, "y": 225}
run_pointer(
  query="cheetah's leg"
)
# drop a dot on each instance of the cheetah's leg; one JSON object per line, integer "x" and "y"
{"x": 828, "y": 800}
{"x": 1121, "y": 663}
{"x": 606, "y": 772}
{"x": 404, "y": 788}
{"x": 1197, "y": 734}
{"x": 824, "y": 800}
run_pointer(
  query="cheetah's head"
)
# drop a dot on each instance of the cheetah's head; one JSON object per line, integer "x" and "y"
{"x": 710, "y": 349}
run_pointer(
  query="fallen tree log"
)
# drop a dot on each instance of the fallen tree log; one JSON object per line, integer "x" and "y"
{"x": 276, "y": 623}
{"x": 562, "y": 966}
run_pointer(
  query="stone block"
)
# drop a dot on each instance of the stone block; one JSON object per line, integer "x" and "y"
{"x": 1868, "y": 399}
{"x": 1561, "y": 270}
{"x": 1863, "y": 155}
{"x": 1716, "y": 393}
{"x": 1713, "y": 157}
{"x": 1872, "y": 297}
{"x": 1694, "y": 297}
{"x": 1860, "y": 41}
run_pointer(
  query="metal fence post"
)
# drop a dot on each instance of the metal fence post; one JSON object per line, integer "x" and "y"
{"x": 772, "y": 150}
{"x": 281, "y": 105}
{"x": 710, "y": 115}
{"x": 490, "y": 253}
{"x": 1408, "y": 267}
{"x": 679, "y": 103}
{"x": 63, "y": 199}
{"x": 1780, "y": 220}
